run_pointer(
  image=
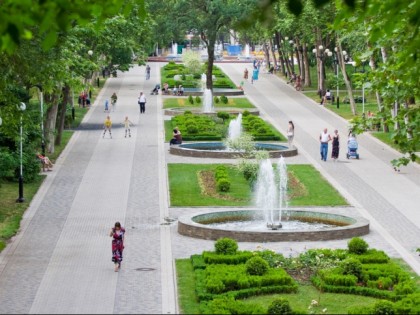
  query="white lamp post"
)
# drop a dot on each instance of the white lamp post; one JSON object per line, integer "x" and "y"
{"x": 22, "y": 107}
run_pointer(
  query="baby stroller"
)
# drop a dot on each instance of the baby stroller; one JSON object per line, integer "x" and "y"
{"x": 155, "y": 91}
{"x": 352, "y": 148}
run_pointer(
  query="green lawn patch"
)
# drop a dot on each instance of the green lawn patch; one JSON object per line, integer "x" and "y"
{"x": 11, "y": 212}
{"x": 186, "y": 287}
{"x": 334, "y": 303}
{"x": 307, "y": 187}
{"x": 182, "y": 102}
{"x": 185, "y": 190}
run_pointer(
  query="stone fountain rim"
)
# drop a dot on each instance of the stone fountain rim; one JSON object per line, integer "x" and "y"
{"x": 187, "y": 227}
{"x": 182, "y": 151}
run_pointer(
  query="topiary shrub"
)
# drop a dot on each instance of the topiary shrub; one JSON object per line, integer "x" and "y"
{"x": 357, "y": 246}
{"x": 280, "y": 306}
{"x": 224, "y": 99}
{"x": 223, "y": 115}
{"x": 192, "y": 129}
{"x": 187, "y": 112}
{"x": 190, "y": 100}
{"x": 352, "y": 266}
{"x": 256, "y": 266}
{"x": 383, "y": 307}
{"x": 223, "y": 184}
{"x": 246, "y": 113}
{"x": 226, "y": 246}
{"x": 198, "y": 99}
{"x": 216, "y": 100}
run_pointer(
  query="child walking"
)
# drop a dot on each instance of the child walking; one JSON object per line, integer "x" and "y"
{"x": 127, "y": 124}
{"x": 107, "y": 126}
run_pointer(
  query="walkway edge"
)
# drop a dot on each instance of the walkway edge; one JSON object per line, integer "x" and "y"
{"x": 409, "y": 258}
{"x": 168, "y": 274}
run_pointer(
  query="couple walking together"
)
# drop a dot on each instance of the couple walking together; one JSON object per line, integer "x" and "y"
{"x": 325, "y": 138}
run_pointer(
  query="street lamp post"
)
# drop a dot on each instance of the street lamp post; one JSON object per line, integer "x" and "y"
{"x": 321, "y": 53}
{"x": 22, "y": 107}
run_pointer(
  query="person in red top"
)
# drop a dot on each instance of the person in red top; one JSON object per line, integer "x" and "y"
{"x": 46, "y": 162}
{"x": 117, "y": 234}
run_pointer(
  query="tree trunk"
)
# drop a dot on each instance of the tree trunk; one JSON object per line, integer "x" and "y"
{"x": 345, "y": 77}
{"x": 51, "y": 119}
{"x": 62, "y": 114}
{"x": 372, "y": 65}
{"x": 384, "y": 59}
{"x": 267, "y": 54}
{"x": 306, "y": 66}
{"x": 274, "y": 54}
{"x": 281, "y": 59}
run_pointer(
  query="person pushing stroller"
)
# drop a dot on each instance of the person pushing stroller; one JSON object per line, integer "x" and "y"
{"x": 155, "y": 91}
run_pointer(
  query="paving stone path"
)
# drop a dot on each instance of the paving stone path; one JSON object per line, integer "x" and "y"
{"x": 60, "y": 262}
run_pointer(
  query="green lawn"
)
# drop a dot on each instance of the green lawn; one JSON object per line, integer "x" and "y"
{"x": 334, "y": 303}
{"x": 188, "y": 301}
{"x": 182, "y": 102}
{"x": 344, "y": 109}
{"x": 307, "y": 187}
{"x": 185, "y": 191}
{"x": 11, "y": 212}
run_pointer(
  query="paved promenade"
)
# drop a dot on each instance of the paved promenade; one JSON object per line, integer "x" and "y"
{"x": 60, "y": 262}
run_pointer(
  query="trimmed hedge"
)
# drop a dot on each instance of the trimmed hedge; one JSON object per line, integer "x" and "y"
{"x": 222, "y": 178}
{"x": 197, "y": 262}
{"x": 239, "y": 258}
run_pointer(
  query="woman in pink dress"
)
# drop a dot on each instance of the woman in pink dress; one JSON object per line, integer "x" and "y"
{"x": 117, "y": 234}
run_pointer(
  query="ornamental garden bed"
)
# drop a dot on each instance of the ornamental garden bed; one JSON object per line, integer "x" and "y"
{"x": 197, "y": 185}
{"x": 195, "y": 127}
{"x": 230, "y": 281}
{"x": 175, "y": 74}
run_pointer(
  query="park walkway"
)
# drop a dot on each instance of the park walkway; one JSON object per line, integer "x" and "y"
{"x": 390, "y": 200}
{"x": 60, "y": 262}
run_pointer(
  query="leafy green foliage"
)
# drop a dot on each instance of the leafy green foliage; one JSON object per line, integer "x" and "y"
{"x": 223, "y": 115}
{"x": 383, "y": 308}
{"x": 226, "y": 246}
{"x": 280, "y": 306}
{"x": 357, "y": 245}
{"x": 256, "y": 266}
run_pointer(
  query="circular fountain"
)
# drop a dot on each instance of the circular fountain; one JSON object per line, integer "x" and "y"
{"x": 271, "y": 220}
{"x": 220, "y": 150}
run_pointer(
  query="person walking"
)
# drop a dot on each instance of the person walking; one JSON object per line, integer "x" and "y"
{"x": 335, "y": 145}
{"x": 246, "y": 74}
{"x": 107, "y": 126}
{"x": 127, "y": 124}
{"x": 114, "y": 98}
{"x": 290, "y": 133}
{"x": 117, "y": 233}
{"x": 324, "y": 138}
{"x": 106, "y": 110}
{"x": 142, "y": 102}
{"x": 147, "y": 72}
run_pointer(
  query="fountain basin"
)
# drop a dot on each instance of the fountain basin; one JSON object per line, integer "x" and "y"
{"x": 212, "y": 226}
{"x": 218, "y": 150}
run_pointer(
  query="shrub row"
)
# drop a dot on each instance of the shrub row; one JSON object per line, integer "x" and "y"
{"x": 224, "y": 278}
{"x": 373, "y": 256}
{"x": 258, "y": 128}
{"x": 222, "y": 178}
{"x": 198, "y": 262}
{"x": 407, "y": 305}
{"x": 321, "y": 285}
{"x": 228, "y": 305}
{"x": 234, "y": 259}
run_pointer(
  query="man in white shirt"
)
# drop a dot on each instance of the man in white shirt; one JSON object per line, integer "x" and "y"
{"x": 324, "y": 138}
{"x": 142, "y": 102}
